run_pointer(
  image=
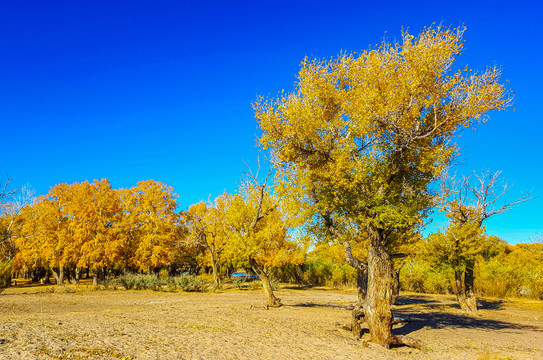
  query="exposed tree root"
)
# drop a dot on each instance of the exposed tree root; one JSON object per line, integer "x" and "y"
{"x": 397, "y": 341}
{"x": 273, "y": 302}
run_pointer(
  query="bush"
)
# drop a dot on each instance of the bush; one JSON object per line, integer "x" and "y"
{"x": 238, "y": 282}
{"x": 317, "y": 273}
{"x": 342, "y": 275}
{"x": 419, "y": 276}
{"x": 188, "y": 283}
{"x": 151, "y": 282}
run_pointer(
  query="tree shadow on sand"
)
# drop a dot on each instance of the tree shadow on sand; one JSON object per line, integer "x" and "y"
{"x": 433, "y": 314}
{"x": 317, "y": 305}
{"x": 432, "y": 304}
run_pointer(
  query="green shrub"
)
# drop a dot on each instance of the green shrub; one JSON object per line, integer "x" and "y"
{"x": 189, "y": 283}
{"x": 493, "y": 278}
{"x": 419, "y": 276}
{"x": 152, "y": 282}
{"x": 412, "y": 277}
{"x": 342, "y": 275}
{"x": 238, "y": 282}
{"x": 317, "y": 273}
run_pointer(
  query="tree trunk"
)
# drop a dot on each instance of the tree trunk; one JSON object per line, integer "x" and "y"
{"x": 272, "y": 301}
{"x": 59, "y": 277}
{"x": 396, "y": 284}
{"x": 357, "y": 320}
{"x": 47, "y": 276}
{"x": 362, "y": 290}
{"x": 36, "y": 276}
{"x": 76, "y": 275}
{"x": 362, "y": 284}
{"x": 216, "y": 277}
{"x": 377, "y": 305}
{"x": 465, "y": 293}
{"x": 96, "y": 275}
{"x": 469, "y": 278}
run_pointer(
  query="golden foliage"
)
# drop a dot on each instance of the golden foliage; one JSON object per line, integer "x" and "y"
{"x": 364, "y": 134}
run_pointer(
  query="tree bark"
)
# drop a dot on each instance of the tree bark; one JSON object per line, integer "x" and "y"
{"x": 97, "y": 274}
{"x": 396, "y": 284}
{"x": 471, "y": 300}
{"x": 272, "y": 301}
{"x": 362, "y": 290}
{"x": 362, "y": 284}
{"x": 216, "y": 277}
{"x": 76, "y": 276}
{"x": 377, "y": 304}
{"x": 465, "y": 293}
{"x": 59, "y": 277}
{"x": 377, "y": 311}
{"x": 357, "y": 320}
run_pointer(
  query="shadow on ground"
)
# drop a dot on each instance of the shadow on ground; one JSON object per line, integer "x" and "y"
{"x": 317, "y": 305}
{"x": 440, "y": 320}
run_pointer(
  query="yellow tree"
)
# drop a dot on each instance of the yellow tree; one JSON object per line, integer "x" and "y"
{"x": 150, "y": 224}
{"x": 42, "y": 239}
{"x": 363, "y": 136}
{"x": 261, "y": 235}
{"x": 94, "y": 210}
{"x": 208, "y": 228}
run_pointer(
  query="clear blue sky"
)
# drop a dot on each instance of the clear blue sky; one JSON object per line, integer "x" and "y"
{"x": 134, "y": 90}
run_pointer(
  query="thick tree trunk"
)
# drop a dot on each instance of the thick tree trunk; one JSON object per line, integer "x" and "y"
{"x": 59, "y": 277}
{"x": 362, "y": 284}
{"x": 36, "y": 275}
{"x": 396, "y": 284}
{"x": 272, "y": 301}
{"x": 469, "y": 278}
{"x": 465, "y": 293}
{"x": 216, "y": 277}
{"x": 377, "y": 305}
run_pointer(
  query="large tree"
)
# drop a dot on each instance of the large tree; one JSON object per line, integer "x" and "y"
{"x": 363, "y": 136}
{"x": 150, "y": 225}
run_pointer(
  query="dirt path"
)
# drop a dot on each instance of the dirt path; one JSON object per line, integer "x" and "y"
{"x": 235, "y": 325}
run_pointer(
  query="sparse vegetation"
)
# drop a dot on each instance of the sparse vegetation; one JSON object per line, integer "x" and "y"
{"x": 152, "y": 282}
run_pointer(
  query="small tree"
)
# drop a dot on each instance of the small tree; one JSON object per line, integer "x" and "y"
{"x": 208, "y": 228}
{"x": 473, "y": 200}
{"x": 261, "y": 235}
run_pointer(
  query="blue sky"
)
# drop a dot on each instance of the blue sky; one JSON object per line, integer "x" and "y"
{"x": 131, "y": 90}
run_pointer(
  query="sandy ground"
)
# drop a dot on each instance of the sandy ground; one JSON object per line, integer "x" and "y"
{"x": 232, "y": 324}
